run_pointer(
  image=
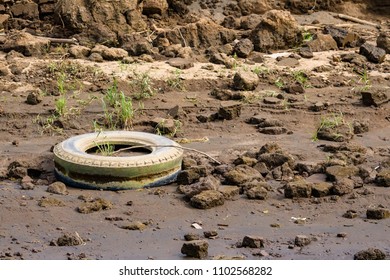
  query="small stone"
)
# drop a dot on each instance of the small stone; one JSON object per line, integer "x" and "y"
{"x": 204, "y": 184}
{"x": 243, "y": 48}
{"x": 383, "y": 41}
{"x": 195, "y": 249}
{"x": 229, "y": 192}
{"x": 191, "y": 236}
{"x": 294, "y": 88}
{"x": 229, "y": 110}
{"x": 273, "y": 130}
{"x": 383, "y": 178}
{"x": 342, "y": 234}
{"x": 299, "y": 188}
{"x": 245, "y": 81}
{"x": 253, "y": 241}
{"x": 337, "y": 172}
{"x": 271, "y": 100}
{"x": 95, "y": 205}
{"x": 34, "y": 98}
{"x": 373, "y": 53}
{"x": 181, "y": 63}
{"x": 306, "y": 52}
{"x": 350, "y": 214}
{"x": 68, "y": 239}
{"x": 137, "y": 225}
{"x": 375, "y": 96}
{"x": 378, "y": 213}
{"x": 242, "y": 174}
{"x": 320, "y": 189}
{"x": 257, "y": 192}
{"x": 211, "y": 234}
{"x": 302, "y": 240}
{"x": 57, "y": 188}
{"x": 207, "y": 199}
{"x": 370, "y": 254}
{"x": 342, "y": 186}
{"x": 50, "y": 202}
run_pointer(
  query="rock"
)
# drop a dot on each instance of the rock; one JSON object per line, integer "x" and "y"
{"x": 373, "y": 54}
{"x": 57, "y": 188}
{"x": 16, "y": 170}
{"x": 264, "y": 122}
{"x": 306, "y": 52}
{"x": 95, "y": 205}
{"x": 181, "y": 63}
{"x": 4, "y": 71}
{"x": 225, "y": 94}
{"x": 338, "y": 172}
{"x": 96, "y": 57}
{"x": 195, "y": 249}
{"x": 383, "y": 178}
{"x": 4, "y": 21}
{"x": 79, "y": 52}
{"x": 320, "y": 189}
{"x": 253, "y": 241}
{"x": 26, "y": 183}
{"x": 294, "y": 88}
{"x": 26, "y": 44}
{"x": 68, "y": 239}
{"x": 299, "y": 188}
{"x": 245, "y": 81}
{"x": 207, "y": 199}
{"x": 166, "y": 126}
{"x": 275, "y": 159}
{"x": 287, "y": 61}
{"x": 204, "y": 184}
{"x": 339, "y": 132}
{"x": 253, "y": 7}
{"x": 370, "y": 254}
{"x": 322, "y": 43}
{"x": 243, "y": 48}
{"x": 302, "y": 240}
{"x": 245, "y": 160}
{"x": 191, "y": 236}
{"x": 308, "y": 167}
{"x": 242, "y": 174}
{"x": 136, "y": 45}
{"x": 110, "y": 53}
{"x": 359, "y": 127}
{"x": 224, "y": 59}
{"x": 343, "y": 37}
{"x": 350, "y": 214}
{"x": 378, "y": 213}
{"x": 342, "y": 186}
{"x": 383, "y": 41}
{"x": 154, "y": 7}
{"x": 210, "y": 234}
{"x": 25, "y": 10}
{"x": 191, "y": 175}
{"x": 34, "y": 98}
{"x": 202, "y": 34}
{"x": 375, "y": 96}
{"x": 137, "y": 225}
{"x": 229, "y": 110}
{"x": 229, "y": 192}
{"x": 271, "y": 100}
{"x": 277, "y": 30}
{"x": 50, "y": 202}
{"x": 257, "y": 192}
{"x": 255, "y": 184}
{"x": 273, "y": 130}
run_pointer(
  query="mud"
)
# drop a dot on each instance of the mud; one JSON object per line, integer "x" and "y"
{"x": 291, "y": 115}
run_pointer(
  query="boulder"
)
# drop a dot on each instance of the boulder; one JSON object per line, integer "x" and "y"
{"x": 26, "y": 44}
{"x": 299, "y": 188}
{"x": 373, "y": 53}
{"x": 195, "y": 249}
{"x": 277, "y": 30}
{"x": 243, "y": 48}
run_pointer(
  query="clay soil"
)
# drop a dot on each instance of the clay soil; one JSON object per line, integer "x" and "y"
{"x": 30, "y": 229}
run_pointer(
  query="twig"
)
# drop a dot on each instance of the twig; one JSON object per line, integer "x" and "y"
{"x": 342, "y": 16}
{"x": 62, "y": 41}
{"x": 167, "y": 146}
{"x": 181, "y": 35}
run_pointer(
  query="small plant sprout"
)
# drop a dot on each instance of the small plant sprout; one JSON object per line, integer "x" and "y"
{"x": 176, "y": 81}
{"x": 365, "y": 80}
{"x": 143, "y": 86}
{"x": 301, "y": 77}
{"x": 125, "y": 111}
{"x": 112, "y": 94}
{"x": 60, "y": 106}
{"x": 307, "y": 36}
{"x": 330, "y": 121}
{"x": 279, "y": 83}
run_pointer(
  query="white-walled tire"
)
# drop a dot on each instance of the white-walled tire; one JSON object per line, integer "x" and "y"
{"x": 77, "y": 168}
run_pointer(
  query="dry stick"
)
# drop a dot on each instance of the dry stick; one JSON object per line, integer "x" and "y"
{"x": 342, "y": 16}
{"x": 167, "y": 146}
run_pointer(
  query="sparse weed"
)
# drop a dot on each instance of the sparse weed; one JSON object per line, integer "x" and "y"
{"x": 112, "y": 94}
{"x": 279, "y": 83}
{"x": 307, "y": 36}
{"x": 143, "y": 86}
{"x": 332, "y": 121}
{"x": 126, "y": 112}
{"x": 301, "y": 77}
{"x": 175, "y": 81}
{"x": 60, "y": 106}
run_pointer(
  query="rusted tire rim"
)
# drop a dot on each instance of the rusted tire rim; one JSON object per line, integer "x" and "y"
{"x": 77, "y": 168}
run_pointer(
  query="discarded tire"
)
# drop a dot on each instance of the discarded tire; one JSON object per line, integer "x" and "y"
{"x": 78, "y": 168}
